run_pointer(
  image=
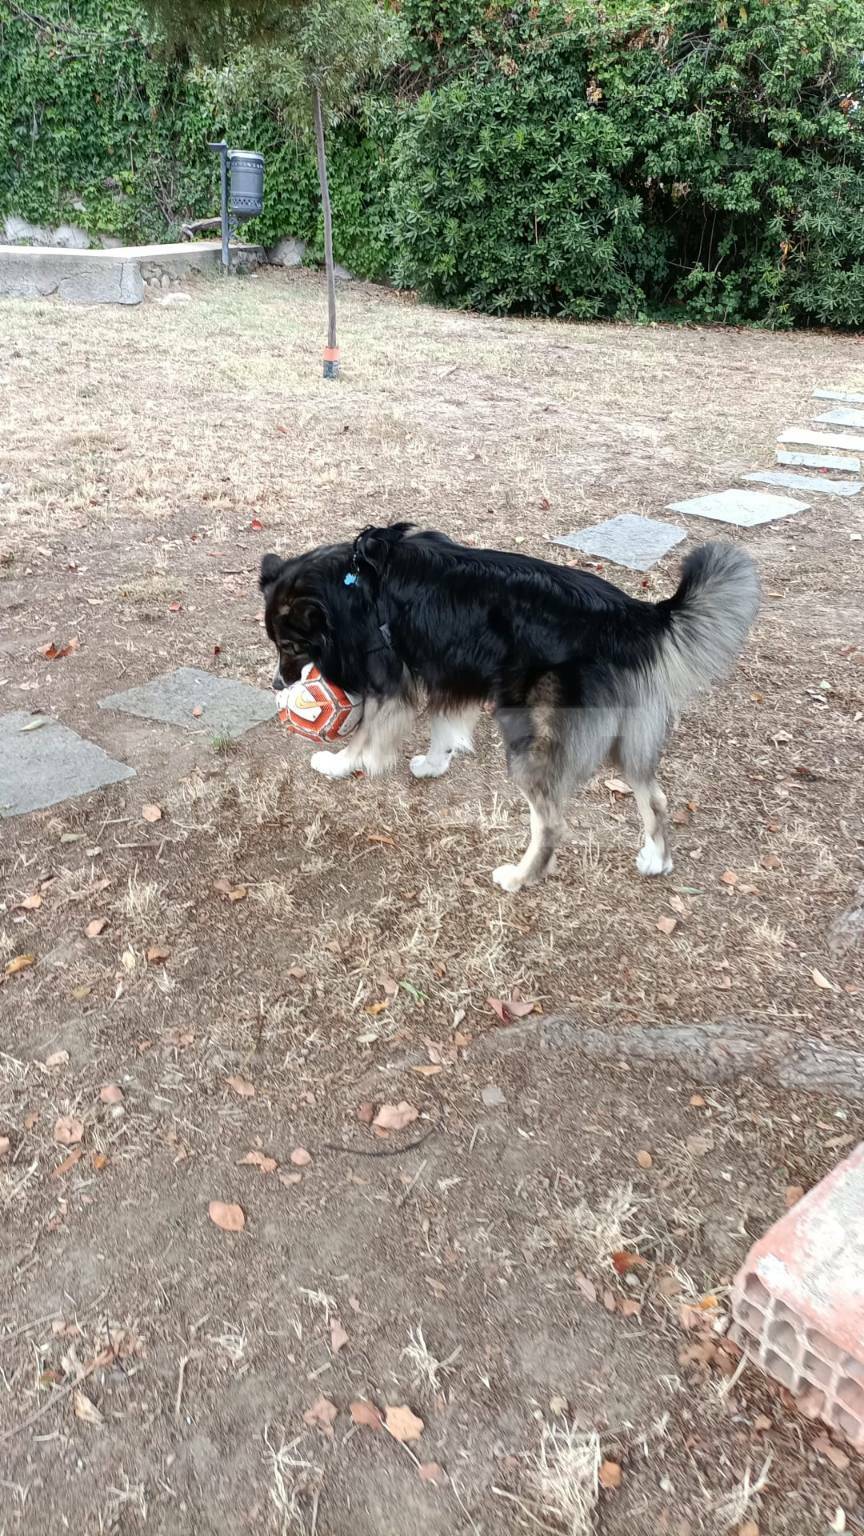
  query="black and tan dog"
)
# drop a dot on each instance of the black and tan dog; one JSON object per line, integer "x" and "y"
{"x": 579, "y": 673}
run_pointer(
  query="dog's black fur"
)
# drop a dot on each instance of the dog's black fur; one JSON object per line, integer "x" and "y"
{"x": 578, "y": 671}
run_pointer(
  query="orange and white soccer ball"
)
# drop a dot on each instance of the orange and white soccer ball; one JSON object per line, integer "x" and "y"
{"x": 318, "y": 709}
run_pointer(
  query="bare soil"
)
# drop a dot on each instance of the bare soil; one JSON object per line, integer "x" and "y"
{"x": 155, "y": 1369}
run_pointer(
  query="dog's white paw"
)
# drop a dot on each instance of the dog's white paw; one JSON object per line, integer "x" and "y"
{"x": 651, "y": 860}
{"x": 423, "y": 766}
{"x": 333, "y": 765}
{"x": 508, "y": 877}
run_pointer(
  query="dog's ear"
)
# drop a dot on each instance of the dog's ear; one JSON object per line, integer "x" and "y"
{"x": 271, "y": 568}
{"x": 307, "y": 617}
{"x": 373, "y": 546}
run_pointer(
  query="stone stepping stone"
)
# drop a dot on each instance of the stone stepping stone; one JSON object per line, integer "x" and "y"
{"x": 225, "y": 707}
{"x": 818, "y": 461}
{"x": 746, "y": 509}
{"x": 838, "y": 394}
{"x": 841, "y": 418}
{"x": 803, "y": 435}
{"x": 40, "y": 765}
{"x": 819, "y": 487}
{"x": 636, "y": 542}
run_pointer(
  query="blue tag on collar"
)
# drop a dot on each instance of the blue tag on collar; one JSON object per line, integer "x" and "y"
{"x": 350, "y": 578}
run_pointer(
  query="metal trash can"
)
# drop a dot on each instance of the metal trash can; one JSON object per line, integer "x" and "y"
{"x": 246, "y": 170}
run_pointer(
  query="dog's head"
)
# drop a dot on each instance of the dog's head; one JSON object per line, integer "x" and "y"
{"x": 327, "y": 607}
{"x": 297, "y": 613}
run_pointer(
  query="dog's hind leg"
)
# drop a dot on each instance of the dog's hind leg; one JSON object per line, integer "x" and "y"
{"x": 450, "y": 733}
{"x": 654, "y": 857}
{"x": 638, "y": 753}
{"x": 547, "y": 830}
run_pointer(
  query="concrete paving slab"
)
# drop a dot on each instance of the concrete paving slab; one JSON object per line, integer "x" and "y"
{"x": 226, "y": 707}
{"x": 635, "y": 542}
{"x": 809, "y": 439}
{"x": 819, "y": 461}
{"x": 842, "y": 418}
{"x": 746, "y": 509}
{"x": 42, "y": 764}
{"x": 809, "y": 483}
{"x": 839, "y": 394}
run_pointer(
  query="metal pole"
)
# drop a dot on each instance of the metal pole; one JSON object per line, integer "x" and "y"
{"x": 222, "y": 148}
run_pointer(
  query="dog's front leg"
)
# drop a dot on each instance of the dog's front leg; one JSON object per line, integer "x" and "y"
{"x": 449, "y": 734}
{"x": 375, "y": 746}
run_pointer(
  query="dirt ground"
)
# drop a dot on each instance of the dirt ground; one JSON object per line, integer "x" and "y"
{"x": 159, "y": 1373}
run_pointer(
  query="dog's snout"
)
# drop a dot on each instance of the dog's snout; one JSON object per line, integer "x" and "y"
{"x": 277, "y": 684}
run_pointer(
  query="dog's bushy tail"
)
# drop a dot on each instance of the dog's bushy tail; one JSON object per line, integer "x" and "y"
{"x": 707, "y": 619}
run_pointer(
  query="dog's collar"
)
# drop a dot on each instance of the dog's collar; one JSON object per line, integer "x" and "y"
{"x": 352, "y": 579}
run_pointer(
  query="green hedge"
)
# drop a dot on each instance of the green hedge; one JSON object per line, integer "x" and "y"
{"x": 693, "y": 158}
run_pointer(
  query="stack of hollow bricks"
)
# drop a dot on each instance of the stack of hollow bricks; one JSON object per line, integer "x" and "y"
{"x": 798, "y": 1301}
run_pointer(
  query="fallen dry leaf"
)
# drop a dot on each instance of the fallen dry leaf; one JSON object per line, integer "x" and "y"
{"x": 618, "y": 787}
{"x": 96, "y": 926}
{"x": 644, "y": 1159}
{"x": 697, "y": 1101}
{"x": 366, "y": 1414}
{"x": 429, "y": 1069}
{"x": 4, "y": 1145}
{"x": 749, "y": 1528}
{"x": 98, "y": 1161}
{"x": 794, "y": 1193}
{"x": 586, "y": 1286}
{"x": 301, "y": 1158}
{"x": 85, "y": 1410}
{"x": 233, "y": 892}
{"x": 157, "y": 955}
{"x": 112, "y": 1093}
{"x": 623, "y": 1262}
{"x": 338, "y": 1336}
{"x": 31, "y": 1119}
{"x": 229, "y": 1218}
{"x": 681, "y": 818}
{"x": 631, "y": 1308}
{"x": 321, "y": 1414}
{"x": 770, "y": 861}
{"x": 67, "y": 1130}
{"x": 290, "y": 1178}
{"x": 57, "y": 1059}
{"x": 20, "y": 963}
{"x": 365, "y": 1113}
{"x": 822, "y": 981}
{"x": 242, "y": 1087}
{"x": 197, "y": 712}
{"x": 402, "y": 1424}
{"x": 395, "y": 1117}
{"x": 430, "y": 1472}
{"x": 151, "y": 812}
{"x": 296, "y": 972}
{"x": 30, "y": 903}
{"x": 557, "y": 1406}
{"x": 729, "y": 877}
{"x": 380, "y": 837}
{"x": 259, "y": 1160}
{"x": 667, "y": 925}
{"x": 834, "y": 1454}
{"x": 761, "y": 1423}
{"x": 610, "y": 1475}
{"x": 511, "y": 1008}
{"x": 67, "y": 1164}
{"x": 55, "y": 652}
